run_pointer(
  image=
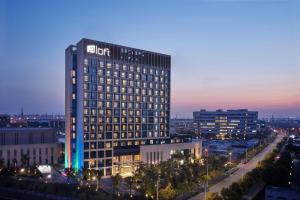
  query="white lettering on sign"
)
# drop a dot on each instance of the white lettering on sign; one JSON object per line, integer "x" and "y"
{"x": 96, "y": 50}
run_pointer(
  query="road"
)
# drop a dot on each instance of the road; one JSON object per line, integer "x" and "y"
{"x": 243, "y": 169}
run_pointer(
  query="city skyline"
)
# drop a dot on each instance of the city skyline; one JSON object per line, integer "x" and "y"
{"x": 223, "y": 56}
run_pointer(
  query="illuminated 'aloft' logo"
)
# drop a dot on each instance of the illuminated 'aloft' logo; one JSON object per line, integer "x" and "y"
{"x": 96, "y": 50}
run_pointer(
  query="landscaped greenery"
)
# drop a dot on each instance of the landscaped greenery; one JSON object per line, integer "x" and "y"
{"x": 68, "y": 190}
{"x": 28, "y": 178}
{"x": 268, "y": 171}
{"x": 178, "y": 175}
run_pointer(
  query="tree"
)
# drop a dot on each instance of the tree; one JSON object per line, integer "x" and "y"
{"x": 25, "y": 160}
{"x": 167, "y": 193}
{"x": 147, "y": 177}
{"x": 116, "y": 179}
{"x": 84, "y": 173}
{"x": 129, "y": 181}
{"x": 235, "y": 187}
{"x": 248, "y": 180}
{"x": 213, "y": 196}
{"x": 99, "y": 175}
{"x": 228, "y": 194}
{"x": 14, "y": 161}
{"x": 2, "y": 165}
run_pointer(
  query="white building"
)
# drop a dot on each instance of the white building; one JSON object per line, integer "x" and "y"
{"x": 153, "y": 154}
{"x": 38, "y": 144}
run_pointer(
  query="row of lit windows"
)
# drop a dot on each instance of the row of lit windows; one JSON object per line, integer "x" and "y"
{"x": 124, "y": 105}
{"x": 124, "y": 98}
{"x": 123, "y": 135}
{"x": 129, "y": 105}
{"x": 118, "y": 81}
{"x": 126, "y": 83}
{"x": 127, "y": 158}
{"x": 127, "y": 75}
{"x": 130, "y": 113}
{"x": 123, "y": 127}
{"x": 123, "y": 67}
{"x": 130, "y": 120}
{"x": 93, "y": 112}
{"x": 108, "y": 144}
{"x": 125, "y": 90}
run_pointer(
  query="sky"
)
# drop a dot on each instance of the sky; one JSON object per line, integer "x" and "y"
{"x": 225, "y": 53}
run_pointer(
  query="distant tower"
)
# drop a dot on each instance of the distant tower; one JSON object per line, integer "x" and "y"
{"x": 22, "y": 112}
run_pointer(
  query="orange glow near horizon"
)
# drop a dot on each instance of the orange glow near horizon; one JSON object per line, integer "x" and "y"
{"x": 260, "y": 98}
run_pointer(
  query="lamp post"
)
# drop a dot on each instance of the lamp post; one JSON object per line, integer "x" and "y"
{"x": 230, "y": 153}
{"x": 157, "y": 187}
{"x": 206, "y": 184}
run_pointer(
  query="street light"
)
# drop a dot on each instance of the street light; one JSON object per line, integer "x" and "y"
{"x": 157, "y": 187}
{"x": 230, "y": 153}
{"x": 206, "y": 184}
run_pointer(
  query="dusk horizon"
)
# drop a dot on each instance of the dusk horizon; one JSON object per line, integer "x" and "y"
{"x": 223, "y": 55}
{"x": 150, "y": 100}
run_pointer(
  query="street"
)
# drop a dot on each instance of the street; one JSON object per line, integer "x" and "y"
{"x": 243, "y": 169}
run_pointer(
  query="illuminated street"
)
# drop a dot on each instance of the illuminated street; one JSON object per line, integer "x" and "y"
{"x": 243, "y": 169}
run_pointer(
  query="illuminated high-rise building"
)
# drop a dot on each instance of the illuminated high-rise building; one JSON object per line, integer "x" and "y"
{"x": 117, "y": 98}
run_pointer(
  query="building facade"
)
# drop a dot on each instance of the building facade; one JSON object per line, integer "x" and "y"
{"x": 153, "y": 154}
{"x": 281, "y": 193}
{"x": 38, "y": 144}
{"x": 225, "y": 123}
{"x": 117, "y": 98}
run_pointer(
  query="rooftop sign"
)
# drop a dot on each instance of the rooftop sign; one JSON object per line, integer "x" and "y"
{"x": 94, "y": 49}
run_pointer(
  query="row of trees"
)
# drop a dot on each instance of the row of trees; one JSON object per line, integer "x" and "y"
{"x": 173, "y": 177}
{"x": 24, "y": 162}
{"x": 24, "y": 170}
{"x": 80, "y": 188}
{"x": 267, "y": 171}
{"x": 83, "y": 192}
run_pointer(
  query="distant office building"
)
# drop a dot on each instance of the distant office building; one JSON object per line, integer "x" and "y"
{"x": 117, "y": 98}
{"x": 55, "y": 123}
{"x": 178, "y": 126}
{"x": 280, "y": 193}
{"x": 4, "y": 120}
{"x": 225, "y": 123}
{"x": 38, "y": 144}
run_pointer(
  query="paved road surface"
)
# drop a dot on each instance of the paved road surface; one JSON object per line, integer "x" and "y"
{"x": 243, "y": 168}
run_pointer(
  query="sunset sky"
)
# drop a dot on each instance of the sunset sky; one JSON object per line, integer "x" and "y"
{"x": 225, "y": 53}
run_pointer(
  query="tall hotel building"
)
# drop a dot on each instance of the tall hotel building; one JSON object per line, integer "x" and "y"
{"x": 240, "y": 122}
{"x": 117, "y": 98}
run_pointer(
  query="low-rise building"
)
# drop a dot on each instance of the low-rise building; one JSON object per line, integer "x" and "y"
{"x": 280, "y": 193}
{"x": 37, "y": 145}
{"x": 153, "y": 154}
